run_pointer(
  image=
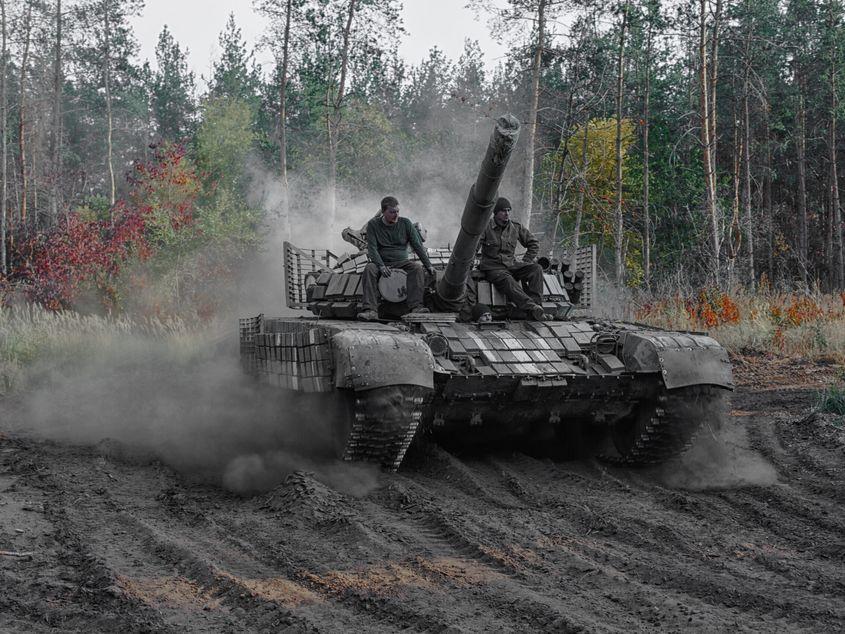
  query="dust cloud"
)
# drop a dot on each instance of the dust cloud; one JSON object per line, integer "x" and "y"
{"x": 720, "y": 458}
{"x": 193, "y": 407}
{"x": 196, "y": 411}
{"x": 432, "y": 191}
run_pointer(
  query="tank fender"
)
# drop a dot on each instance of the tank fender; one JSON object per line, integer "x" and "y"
{"x": 367, "y": 359}
{"x": 681, "y": 359}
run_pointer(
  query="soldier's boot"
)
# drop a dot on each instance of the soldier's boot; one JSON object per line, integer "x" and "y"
{"x": 537, "y": 313}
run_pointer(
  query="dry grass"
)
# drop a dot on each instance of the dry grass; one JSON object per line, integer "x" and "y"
{"x": 32, "y": 337}
{"x": 807, "y": 325}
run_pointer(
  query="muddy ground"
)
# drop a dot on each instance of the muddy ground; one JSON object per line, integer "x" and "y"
{"x": 746, "y": 532}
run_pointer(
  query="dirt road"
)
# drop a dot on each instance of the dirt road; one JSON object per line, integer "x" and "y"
{"x": 747, "y": 532}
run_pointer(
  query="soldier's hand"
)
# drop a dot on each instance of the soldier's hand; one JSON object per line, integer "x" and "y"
{"x": 385, "y": 271}
{"x": 430, "y": 270}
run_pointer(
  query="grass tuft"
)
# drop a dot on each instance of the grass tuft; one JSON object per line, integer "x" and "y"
{"x": 832, "y": 400}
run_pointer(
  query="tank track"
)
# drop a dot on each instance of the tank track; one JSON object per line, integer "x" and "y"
{"x": 672, "y": 426}
{"x": 384, "y": 423}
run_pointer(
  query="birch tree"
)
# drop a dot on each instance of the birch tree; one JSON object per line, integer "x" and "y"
{"x": 282, "y": 15}
{"x": 340, "y": 35}
{"x": 708, "y": 34}
{"x": 22, "y": 116}
{"x": 104, "y": 46}
{"x": 836, "y": 258}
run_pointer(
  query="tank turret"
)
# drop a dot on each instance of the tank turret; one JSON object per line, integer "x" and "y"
{"x": 331, "y": 286}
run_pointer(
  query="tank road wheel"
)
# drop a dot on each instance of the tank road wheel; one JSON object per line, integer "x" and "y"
{"x": 661, "y": 429}
{"x": 379, "y": 425}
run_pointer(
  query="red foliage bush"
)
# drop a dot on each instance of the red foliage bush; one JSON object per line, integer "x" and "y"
{"x": 712, "y": 308}
{"x": 82, "y": 253}
{"x": 79, "y": 253}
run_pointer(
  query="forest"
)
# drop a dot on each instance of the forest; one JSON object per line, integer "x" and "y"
{"x": 172, "y": 461}
{"x": 696, "y": 143}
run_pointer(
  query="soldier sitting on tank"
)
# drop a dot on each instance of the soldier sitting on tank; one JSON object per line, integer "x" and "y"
{"x": 388, "y": 237}
{"x": 520, "y": 282}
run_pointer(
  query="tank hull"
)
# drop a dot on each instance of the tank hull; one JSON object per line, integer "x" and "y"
{"x": 644, "y": 391}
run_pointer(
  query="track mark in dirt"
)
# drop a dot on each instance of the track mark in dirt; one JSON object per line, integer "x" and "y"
{"x": 439, "y": 465}
{"x": 321, "y": 567}
{"x": 87, "y": 592}
{"x": 787, "y": 459}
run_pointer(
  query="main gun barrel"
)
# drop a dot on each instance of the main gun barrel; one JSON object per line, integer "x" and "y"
{"x": 477, "y": 212}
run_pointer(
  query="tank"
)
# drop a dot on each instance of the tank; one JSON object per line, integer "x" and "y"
{"x": 632, "y": 394}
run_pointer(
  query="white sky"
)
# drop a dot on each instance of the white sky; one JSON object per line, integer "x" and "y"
{"x": 197, "y": 24}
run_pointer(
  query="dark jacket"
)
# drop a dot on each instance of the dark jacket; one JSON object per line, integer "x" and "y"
{"x": 387, "y": 245}
{"x": 499, "y": 243}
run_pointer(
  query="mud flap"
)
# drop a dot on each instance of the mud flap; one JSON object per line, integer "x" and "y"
{"x": 681, "y": 359}
{"x": 365, "y": 360}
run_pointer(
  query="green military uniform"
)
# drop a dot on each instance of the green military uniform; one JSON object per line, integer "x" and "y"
{"x": 521, "y": 282}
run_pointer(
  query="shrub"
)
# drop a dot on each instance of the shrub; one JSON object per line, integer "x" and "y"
{"x": 807, "y": 325}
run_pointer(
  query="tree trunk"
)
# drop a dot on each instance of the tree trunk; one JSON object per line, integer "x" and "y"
{"x": 620, "y": 80}
{"x": 283, "y": 152}
{"x": 801, "y": 157}
{"x": 528, "y": 165}
{"x": 714, "y": 75}
{"x": 56, "y": 132}
{"x": 582, "y": 190}
{"x": 767, "y": 198}
{"x": 705, "y": 104}
{"x": 838, "y": 273}
{"x": 646, "y": 209}
{"x": 734, "y": 234}
{"x": 563, "y": 146}
{"x": 109, "y": 121}
{"x": 335, "y": 113}
{"x": 746, "y": 151}
{"x": 4, "y": 270}
{"x": 21, "y": 220}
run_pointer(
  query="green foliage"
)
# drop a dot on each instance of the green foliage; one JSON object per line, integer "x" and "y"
{"x": 224, "y": 140}
{"x": 409, "y": 128}
{"x": 95, "y": 208}
{"x": 172, "y": 89}
{"x": 599, "y": 183}
{"x": 236, "y": 75}
{"x": 371, "y": 140}
{"x": 225, "y": 220}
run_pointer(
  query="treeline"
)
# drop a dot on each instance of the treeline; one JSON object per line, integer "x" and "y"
{"x": 696, "y": 142}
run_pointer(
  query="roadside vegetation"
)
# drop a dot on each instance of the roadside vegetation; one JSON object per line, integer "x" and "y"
{"x": 35, "y": 340}
{"x": 810, "y": 325}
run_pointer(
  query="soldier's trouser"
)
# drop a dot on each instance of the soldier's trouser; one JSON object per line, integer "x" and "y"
{"x": 521, "y": 283}
{"x": 415, "y": 280}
